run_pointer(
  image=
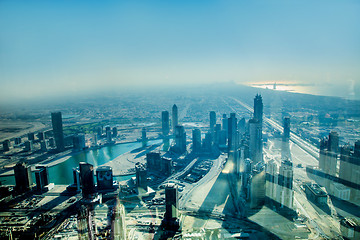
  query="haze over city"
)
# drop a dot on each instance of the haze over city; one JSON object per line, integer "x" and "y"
{"x": 194, "y": 120}
{"x": 62, "y": 47}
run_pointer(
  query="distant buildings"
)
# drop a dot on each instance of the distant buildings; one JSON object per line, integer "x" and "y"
{"x": 175, "y": 120}
{"x": 57, "y": 125}
{"x": 165, "y": 124}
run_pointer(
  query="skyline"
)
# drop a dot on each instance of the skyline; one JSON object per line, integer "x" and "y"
{"x": 59, "y": 47}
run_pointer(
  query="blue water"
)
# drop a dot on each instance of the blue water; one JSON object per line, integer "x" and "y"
{"x": 62, "y": 172}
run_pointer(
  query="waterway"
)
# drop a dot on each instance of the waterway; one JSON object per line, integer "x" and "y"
{"x": 62, "y": 172}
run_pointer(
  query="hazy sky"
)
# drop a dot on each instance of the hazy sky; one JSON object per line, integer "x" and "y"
{"x": 50, "y": 47}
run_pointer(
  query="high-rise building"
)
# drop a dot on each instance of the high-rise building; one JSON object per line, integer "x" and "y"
{"x": 255, "y": 142}
{"x": 41, "y": 177}
{"x": 87, "y": 178}
{"x": 114, "y": 132}
{"x": 6, "y": 145}
{"x": 165, "y": 125}
{"x": 171, "y": 202}
{"x": 143, "y": 137}
{"x": 180, "y": 139}
{"x": 79, "y": 141}
{"x": 141, "y": 176}
{"x": 108, "y": 134}
{"x": 212, "y": 120}
{"x": 271, "y": 180}
{"x": 329, "y": 148}
{"x": 285, "y": 184}
{"x": 196, "y": 140}
{"x": 285, "y": 147}
{"x": 57, "y": 125}
{"x": 257, "y": 186}
{"x": 350, "y": 169}
{"x": 23, "y": 178}
{"x": 175, "y": 120}
{"x": 28, "y": 146}
{"x": 76, "y": 176}
{"x": 258, "y": 109}
{"x": 85, "y": 223}
{"x": 242, "y": 126}
{"x": 31, "y": 136}
{"x": 104, "y": 178}
{"x": 232, "y": 128}
{"x": 225, "y": 123}
{"x": 41, "y": 136}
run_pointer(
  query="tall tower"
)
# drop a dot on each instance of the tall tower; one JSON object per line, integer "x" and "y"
{"x": 57, "y": 125}
{"x": 196, "y": 139}
{"x": 180, "y": 139}
{"x": 255, "y": 143}
{"x": 232, "y": 127}
{"x": 175, "y": 120}
{"x": 165, "y": 123}
{"x": 212, "y": 121}
{"x": 258, "y": 108}
{"x": 285, "y": 147}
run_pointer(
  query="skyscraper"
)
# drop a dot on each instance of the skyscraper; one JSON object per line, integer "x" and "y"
{"x": 174, "y": 117}
{"x": 212, "y": 121}
{"x": 171, "y": 202}
{"x": 286, "y": 184}
{"x": 23, "y": 177}
{"x": 285, "y": 147}
{"x": 271, "y": 180}
{"x": 165, "y": 123}
{"x": 87, "y": 178}
{"x": 196, "y": 140}
{"x": 232, "y": 128}
{"x": 180, "y": 139}
{"x": 57, "y": 125}
{"x": 258, "y": 108}
{"x": 255, "y": 143}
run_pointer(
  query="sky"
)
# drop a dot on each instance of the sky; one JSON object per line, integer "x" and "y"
{"x": 57, "y": 47}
